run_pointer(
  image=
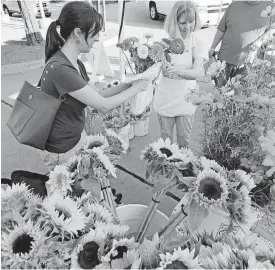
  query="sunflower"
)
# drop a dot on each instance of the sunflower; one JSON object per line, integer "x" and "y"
{"x": 86, "y": 254}
{"x": 209, "y": 189}
{"x": 64, "y": 214}
{"x": 156, "y": 53}
{"x": 143, "y": 51}
{"x": 119, "y": 248}
{"x": 177, "y": 46}
{"x": 22, "y": 247}
{"x": 160, "y": 149}
{"x": 242, "y": 177}
{"x": 211, "y": 164}
{"x": 180, "y": 259}
{"x": 239, "y": 206}
{"x": 131, "y": 260}
{"x": 14, "y": 200}
{"x": 111, "y": 230}
{"x": 105, "y": 161}
{"x": 253, "y": 263}
{"x": 60, "y": 180}
{"x": 95, "y": 212}
{"x": 216, "y": 68}
{"x": 95, "y": 141}
{"x": 73, "y": 165}
{"x": 86, "y": 197}
{"x": 117, "y": 144}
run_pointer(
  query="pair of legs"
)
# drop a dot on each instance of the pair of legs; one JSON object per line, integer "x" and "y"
{"x": 183, "y": 127}
{"x": 230, "y": 72}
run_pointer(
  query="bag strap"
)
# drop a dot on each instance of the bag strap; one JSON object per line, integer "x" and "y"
{"x": 61, "y": 97}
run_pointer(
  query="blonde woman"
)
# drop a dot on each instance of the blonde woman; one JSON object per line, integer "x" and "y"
{"x": 180, "y": 77}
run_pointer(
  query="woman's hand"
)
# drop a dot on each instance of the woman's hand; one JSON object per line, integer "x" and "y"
{"x": 173, "y": 71}
{"x": 140, "y": 85}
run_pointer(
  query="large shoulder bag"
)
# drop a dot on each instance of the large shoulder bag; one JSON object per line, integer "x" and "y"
{"x": 33, "y": 115}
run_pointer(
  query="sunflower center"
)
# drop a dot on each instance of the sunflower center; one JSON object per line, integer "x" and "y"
{"x": 95, "y": 144}
{"x": 22, "y": 244}
{"x": 88, "y": 258}
{"x": 166, "y": 151}
{"x": 210, "y": 188}
{"x": 120, "y": 250}
{"x": 177, "y": 265}
{"x": 63, "y": 212}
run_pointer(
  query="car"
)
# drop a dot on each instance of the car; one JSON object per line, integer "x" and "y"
{"x": 208, "y": 9}
{"x": 11, "y": 6}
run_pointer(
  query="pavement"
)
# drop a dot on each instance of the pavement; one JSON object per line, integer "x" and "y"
{"x": 16, "y": 156}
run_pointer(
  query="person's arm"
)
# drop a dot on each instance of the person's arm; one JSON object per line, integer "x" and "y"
{"x": 217, "y": 39}
{"x": 109, "y": 92}
{"x": 195, "y": 72}
{"x": 89, "y": 96}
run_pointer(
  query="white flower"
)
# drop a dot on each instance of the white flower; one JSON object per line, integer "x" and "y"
{"x": 143, "y": 51}
{"x": 216, "y": 68}
{"x": 182, "y": 259}
{"x": 268, "y": 12}
{"x": 95, "y": 141}
{"x": 105, "y": 161}
{"x": 137, "y": 45}
{"x": 59, "y": 180}
{"x": 64, "y": 213}
{"x": 268, "y": 143}
{"x": 209, "y": 189}
{"x": 22, "y": 247}
{"x": 85, "y": 254}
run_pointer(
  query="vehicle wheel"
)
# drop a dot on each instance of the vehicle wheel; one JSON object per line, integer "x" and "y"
{"x": 6, "y": 10}
{"x": 153, "y": 12}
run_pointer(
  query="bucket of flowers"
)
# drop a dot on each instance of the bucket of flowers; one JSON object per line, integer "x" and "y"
{"x": 117, "y": 122}
{"x": 141, "y": 125}
{"x": 146, "y": 62}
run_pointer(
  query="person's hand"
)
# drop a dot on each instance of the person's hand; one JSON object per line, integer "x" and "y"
{"x": 140, "y": 85}
{"x": 173, "y": 71}
{"x": 211, "y": 53}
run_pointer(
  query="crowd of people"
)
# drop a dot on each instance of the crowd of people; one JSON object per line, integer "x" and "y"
{"x": 77, "y": 29}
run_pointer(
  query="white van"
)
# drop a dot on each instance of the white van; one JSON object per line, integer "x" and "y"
{"x": 208, "y": 9}
{"x": 11, "y": 6}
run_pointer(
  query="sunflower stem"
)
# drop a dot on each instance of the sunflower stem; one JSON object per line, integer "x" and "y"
{"x": 174, "y": 221}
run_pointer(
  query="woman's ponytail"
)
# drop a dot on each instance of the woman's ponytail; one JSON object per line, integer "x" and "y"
{"x": 53, "y": 41}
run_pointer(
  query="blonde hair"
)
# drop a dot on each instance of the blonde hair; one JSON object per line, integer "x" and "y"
{"x": 171, "y": 25}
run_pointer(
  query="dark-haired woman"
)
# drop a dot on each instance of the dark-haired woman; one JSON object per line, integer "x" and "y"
{"x": 65, "y": 77}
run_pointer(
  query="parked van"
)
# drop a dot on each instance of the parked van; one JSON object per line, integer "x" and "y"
{"x": 11, "y": 6}
{"x": 208, "y": 9}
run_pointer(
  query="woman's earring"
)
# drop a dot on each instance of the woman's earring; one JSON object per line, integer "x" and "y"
{"x": 77, "y": 41}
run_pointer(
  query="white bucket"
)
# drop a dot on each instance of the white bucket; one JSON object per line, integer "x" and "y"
{"x": 133, "y": 214}
{"x": 131, "y": 132}
{"x": 124, "y": 134}
{"x": 141, "y": 128}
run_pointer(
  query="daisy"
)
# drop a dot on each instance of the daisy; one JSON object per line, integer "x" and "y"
{"x": 111, "y": 230}
{"x": 95, "y": 141}
{"x": 60, "y": 180}
{"x": 22, "y": 247}
{"x": 64, "y": 213}
{"x": 131, "y": 260}
{"x": 216, "y": 68}
{"x": 105, "y": 161}
{"x": 209, "y": 189}
{"x": 86, "y": 254}
{"x": 119, "y": 247}
{"x": 142, "y": 51}
{"x": 268, "y": 12}
{"x": 180, "y": 259}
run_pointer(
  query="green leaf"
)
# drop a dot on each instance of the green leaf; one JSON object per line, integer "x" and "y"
{"x": 196, "y": 215}
{"x": 149, "y": 255}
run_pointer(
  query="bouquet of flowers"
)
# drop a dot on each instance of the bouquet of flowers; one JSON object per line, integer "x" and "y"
{"x": 148, "y": 60}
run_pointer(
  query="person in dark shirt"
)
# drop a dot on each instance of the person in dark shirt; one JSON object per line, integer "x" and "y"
{"x": 65, "y": 77}
{"x": 241, "y": 26}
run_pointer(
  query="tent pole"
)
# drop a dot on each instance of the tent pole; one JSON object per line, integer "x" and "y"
{"x": 120, "y": 39}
